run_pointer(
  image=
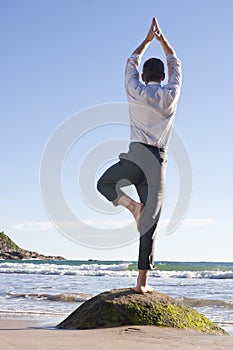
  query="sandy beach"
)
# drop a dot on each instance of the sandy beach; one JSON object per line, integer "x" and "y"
{"x": 27, "y": 335}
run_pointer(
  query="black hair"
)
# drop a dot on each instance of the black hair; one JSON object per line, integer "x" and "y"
{"x": 153, "y": 70}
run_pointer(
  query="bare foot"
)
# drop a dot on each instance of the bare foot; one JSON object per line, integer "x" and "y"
{"x": 134, "y": 207}
{"x": 149, "y": 289}
{"x": 140, "y": 290}
{"x": 142, "y": 286}
{"x": 137, "y": 213}
{"x": 143, "y": 289}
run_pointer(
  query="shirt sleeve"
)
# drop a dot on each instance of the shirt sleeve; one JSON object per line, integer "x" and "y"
{"x": 133, "y": 86}
{"x": 174, "y": 76}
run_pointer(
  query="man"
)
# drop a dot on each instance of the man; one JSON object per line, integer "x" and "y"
{"x": 152, "y": 110}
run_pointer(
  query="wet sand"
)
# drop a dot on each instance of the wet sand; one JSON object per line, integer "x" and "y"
{"x": 28, "y": 335}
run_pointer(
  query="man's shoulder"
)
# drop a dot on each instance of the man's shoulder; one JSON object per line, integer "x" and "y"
{"x": 134, "y": 59}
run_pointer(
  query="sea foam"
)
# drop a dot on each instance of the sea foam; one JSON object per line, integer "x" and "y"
{"x": 123, "y": 269}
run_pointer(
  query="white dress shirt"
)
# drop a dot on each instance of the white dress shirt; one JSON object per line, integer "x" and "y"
{"x": 152, "y": 106}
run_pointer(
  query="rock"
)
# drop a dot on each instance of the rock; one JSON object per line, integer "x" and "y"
{"x": 11, "y": 251}
{"x": 121, "y": 307}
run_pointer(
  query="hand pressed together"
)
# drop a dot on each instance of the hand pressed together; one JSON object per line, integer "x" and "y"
{"x": 157, "y": 32}
{"x": 154, "y": 31}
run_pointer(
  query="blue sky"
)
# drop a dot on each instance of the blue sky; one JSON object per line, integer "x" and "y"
{"x": 60, "y": 57}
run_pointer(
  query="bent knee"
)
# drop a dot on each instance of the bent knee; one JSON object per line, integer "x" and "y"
{"x": 100, "y": 185}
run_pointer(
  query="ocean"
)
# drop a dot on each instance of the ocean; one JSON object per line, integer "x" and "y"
{"x": 53, "y": 289}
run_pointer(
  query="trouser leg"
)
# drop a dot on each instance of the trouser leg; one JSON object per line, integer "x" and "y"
{"x": 147, "y": 239}
{"x": 121, "y": 174}
{"x": 151, "y": 195}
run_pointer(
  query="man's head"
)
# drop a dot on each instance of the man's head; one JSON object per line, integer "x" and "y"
{"x": 153, "y": 70}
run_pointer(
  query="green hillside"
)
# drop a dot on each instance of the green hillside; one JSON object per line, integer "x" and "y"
{"x": 6, "y": 244}
{"x": 11, "y": 251}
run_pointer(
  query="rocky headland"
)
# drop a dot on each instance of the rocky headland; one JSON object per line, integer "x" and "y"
{"x": 11, "y": 251}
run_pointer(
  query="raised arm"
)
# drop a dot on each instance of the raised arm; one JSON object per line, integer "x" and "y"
{"x": 150, "y": 36}
{"x": 132, "y": 82}
{"x": 167, "y": 48}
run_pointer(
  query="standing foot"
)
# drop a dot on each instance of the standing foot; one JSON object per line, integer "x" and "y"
{"x": 142, "y": 286}
{"x": 143, "y": 289}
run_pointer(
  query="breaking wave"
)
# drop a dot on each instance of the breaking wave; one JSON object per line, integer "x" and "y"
{"x": 64, "y": 297}
{"x": 81, "y": 297}
{"x": 115, "y": 269}
{"x": 193, "y": 302}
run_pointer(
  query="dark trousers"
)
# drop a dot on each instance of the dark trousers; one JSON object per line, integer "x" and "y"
{"x": 143, "y": 166}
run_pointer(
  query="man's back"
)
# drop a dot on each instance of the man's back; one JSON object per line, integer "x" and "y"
{"x": 152, "y": 106}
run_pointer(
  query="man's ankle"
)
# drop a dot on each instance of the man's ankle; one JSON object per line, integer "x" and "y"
{"x": 142, "y": 277}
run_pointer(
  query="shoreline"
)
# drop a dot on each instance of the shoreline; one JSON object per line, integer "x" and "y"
{"x": 36, "y": 334}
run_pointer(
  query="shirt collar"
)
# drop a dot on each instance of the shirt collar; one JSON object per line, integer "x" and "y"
{"x": 153, "y": 83}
